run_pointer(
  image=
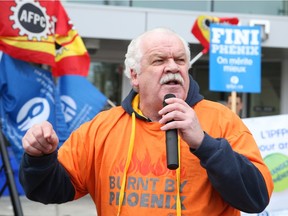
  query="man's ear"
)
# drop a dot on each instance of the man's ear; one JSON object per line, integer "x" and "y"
{"x": 134, "y": 79}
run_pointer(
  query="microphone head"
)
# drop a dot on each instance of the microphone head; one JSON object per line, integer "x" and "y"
{"x": 166, "y": 97}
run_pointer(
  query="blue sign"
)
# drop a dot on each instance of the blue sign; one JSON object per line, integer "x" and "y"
{"x": 235, "y": 58}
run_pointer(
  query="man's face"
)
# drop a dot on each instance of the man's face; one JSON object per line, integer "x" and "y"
{"x": 162, "y": 55}
{"x": 239, "y": 104}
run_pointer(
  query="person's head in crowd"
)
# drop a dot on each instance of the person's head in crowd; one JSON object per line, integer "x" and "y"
{"x": 239, "y": 103}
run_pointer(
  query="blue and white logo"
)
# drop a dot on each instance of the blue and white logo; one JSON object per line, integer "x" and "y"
{"x": 69, "y": 108}
{"x": 33, "y": 112}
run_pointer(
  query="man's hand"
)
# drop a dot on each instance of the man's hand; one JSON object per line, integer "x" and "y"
{"x": 40, "y": 139}
{"x": 178, "y": 114}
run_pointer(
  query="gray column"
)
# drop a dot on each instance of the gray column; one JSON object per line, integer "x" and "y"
{"x": 284, "y": 85}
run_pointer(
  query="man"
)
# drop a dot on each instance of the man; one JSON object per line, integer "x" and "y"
{"x": 119, "y": 157}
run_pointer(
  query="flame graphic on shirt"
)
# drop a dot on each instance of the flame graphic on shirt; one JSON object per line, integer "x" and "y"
{"x": 145, "y": 166}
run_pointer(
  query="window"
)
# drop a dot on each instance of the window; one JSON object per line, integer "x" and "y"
{"x": 107, "y": 77}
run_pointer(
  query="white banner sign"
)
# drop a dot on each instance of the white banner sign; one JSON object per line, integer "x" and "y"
{"x": 271, "y": 135}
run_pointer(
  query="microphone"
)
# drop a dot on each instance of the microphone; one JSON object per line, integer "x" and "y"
{"x": 171, "y": 143}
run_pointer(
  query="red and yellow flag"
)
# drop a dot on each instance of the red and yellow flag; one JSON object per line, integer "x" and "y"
{"x": 201, "y": 28}
{"x": 41, "y": 32}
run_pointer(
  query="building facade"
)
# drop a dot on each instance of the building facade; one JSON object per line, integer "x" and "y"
{"x": 108, "y": 29}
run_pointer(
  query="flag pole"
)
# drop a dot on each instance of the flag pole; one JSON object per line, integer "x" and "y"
{"x": 204, "y": 51}
{"x": 10, "y": 181}
{"x": 233, "y": 101}
{"x": 196, "y": 58}
{"x": 111, "y": 103}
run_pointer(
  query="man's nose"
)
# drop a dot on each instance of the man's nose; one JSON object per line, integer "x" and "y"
{"x": 172, "y": 67}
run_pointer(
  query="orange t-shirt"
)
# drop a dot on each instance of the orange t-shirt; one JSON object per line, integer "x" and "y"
{"x": 96, "y": 153}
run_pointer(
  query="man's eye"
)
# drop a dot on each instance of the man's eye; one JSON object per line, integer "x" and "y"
{"x": 157, "y": 61}
{"x": 180, "y": 61}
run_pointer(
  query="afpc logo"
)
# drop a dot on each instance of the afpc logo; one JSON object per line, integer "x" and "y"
{"x": 33, "y": 112}
{"x": 31, "y": 19}
{"x": 69, "y": 108}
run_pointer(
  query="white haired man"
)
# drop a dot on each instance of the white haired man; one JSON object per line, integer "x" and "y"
{"x": 119, "y": 157}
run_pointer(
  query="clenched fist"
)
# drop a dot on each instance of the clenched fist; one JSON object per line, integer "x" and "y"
{"x": 40, "y": 139}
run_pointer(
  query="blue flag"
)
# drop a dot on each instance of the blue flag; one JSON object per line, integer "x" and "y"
{"x": 27, "y": 96}
{"x": 80, "y": 100}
